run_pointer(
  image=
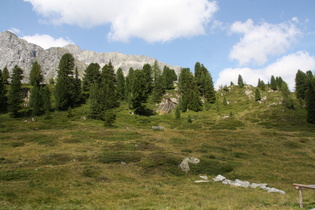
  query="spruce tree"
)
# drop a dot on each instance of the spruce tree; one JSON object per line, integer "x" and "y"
{"x": 168, "y": 77}
{"x": 46, "y": 99}
{"x": 205, "y": 83}
{"x": 15, "y": 96}
{"x": 121, "y": 84}
{"x": 103, "y": 95}
{"x": 273, "y": 83}
{"x": 240, "y": 81}
{"x": 147, "y": 70}
{"x": 91, "y": 75}
{"x": 77, "y": 89}
{"x": 65, "y": 90}
{"x": 257, "y": 95}
{"x": 158, "y": 89}
{"x": 36, "y": 99}
{"x": 36, "y": 76}
{"x": 5, "y": 76}
{"x": 300, "y": 84}
{"x": 138, "y": 91}
{"x": 310, "y": 100}
{"x": 177, "y": 113}
{"x": 287, "y": 100}
{"x": 129, "y": 80}
{"x": 2, "y": 94}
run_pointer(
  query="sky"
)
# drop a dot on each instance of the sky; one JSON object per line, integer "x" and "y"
{"x": 251, "y": 38}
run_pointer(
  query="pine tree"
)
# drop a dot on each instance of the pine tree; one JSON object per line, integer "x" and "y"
{"x": 36, "y": 99}
{"x": 121, "y": 84}
{"x": 147, "y": 70}
{"x": 224, "y": 102}
{"x": 36, "y": 76}
{"x": 77, "y": 89}
{"x": 287, "y": 100}
{"x": 46, "y": 99}
{"x": 91, "y": 75}
{"x": 205, "y": 83}
{"x": 138, "y": 91}
{"x": 257, "y": 95}
{"x": 15, "y": 97}
{"x": 103, "y": 95}
{"x": 129, "y": 80}
{"x": 158, "y": 89}
{"x": 300, "y": 84}
{"x": 109, "y": 118}
{"x": 2, "y": 94}
{"x": 65, "y": 90}
{"x": 108, "y": 85}
{"x": 177, "y": 113}
{"x": 279, "y": 82}
{"x": 240, "y": 81}
{"x": 5, "y": 76}
{"x": 273, "y": 83}
{"x": 168, "y": 77}
{"x": 310, "y": 100}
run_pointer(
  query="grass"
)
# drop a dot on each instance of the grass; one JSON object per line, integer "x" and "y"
{"x": 75, "y": 163}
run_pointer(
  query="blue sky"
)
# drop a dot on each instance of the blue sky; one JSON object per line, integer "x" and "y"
{"x": 254, "y": 38}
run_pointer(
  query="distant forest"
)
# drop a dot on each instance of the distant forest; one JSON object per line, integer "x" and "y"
{"x": 104, "y": 90}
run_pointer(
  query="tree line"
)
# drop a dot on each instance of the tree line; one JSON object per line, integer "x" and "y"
{"x": 104, "y": 90}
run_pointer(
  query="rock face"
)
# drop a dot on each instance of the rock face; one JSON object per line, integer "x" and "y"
{"x": 16, "y": 51}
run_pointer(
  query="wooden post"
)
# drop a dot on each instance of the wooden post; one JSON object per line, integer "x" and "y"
{"x": 300, "y": 198}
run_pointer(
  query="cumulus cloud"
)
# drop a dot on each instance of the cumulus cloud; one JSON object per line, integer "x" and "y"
{"x": 151, "y": 20}
{"x": 286, "y": 67}
{"x": 259, "y": 41}
{"x": 46, "y": 41}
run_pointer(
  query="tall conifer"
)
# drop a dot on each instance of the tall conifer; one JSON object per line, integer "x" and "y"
{"x": 2, "y": 94}
{"x": 36, "y": 76}
{"x": 15, "y": 96}
{"x": 121, "y": 84}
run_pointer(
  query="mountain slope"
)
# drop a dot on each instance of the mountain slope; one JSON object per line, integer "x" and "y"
{"x": 16, "y": 51}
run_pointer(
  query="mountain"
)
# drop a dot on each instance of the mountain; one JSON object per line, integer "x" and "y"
{"x": 16, "y": 51}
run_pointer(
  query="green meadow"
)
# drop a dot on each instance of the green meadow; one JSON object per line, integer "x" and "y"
{"x": 77, "y": 163}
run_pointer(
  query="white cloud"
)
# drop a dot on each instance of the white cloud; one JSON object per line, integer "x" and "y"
{"x": 286, "y": 67}
{"x": 151, "y": 20}
{"x": 46, "y": 41}
{"x": 262, "y": 40}
{"x": 15, "y": 30}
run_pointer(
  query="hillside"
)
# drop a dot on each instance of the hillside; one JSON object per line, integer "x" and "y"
{"x": 77, "y": 163}
{"x": 16, "y": 51}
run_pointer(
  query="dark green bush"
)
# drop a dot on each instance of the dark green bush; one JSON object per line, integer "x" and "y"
{"x": 117, "y": 157}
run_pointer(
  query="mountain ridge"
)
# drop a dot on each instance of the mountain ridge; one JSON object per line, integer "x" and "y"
{"x": 17, "y": 51}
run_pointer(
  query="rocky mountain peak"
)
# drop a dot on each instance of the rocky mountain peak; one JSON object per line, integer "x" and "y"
{"x": 16, "y": 51}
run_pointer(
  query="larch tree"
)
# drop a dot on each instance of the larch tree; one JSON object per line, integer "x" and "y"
{"x": 273, "y": 83}
{"x": 121, "y": 84}
{"x": 15, "y": 96}
{"x": 147, "y": 71}
{"x": 36, "y": 76}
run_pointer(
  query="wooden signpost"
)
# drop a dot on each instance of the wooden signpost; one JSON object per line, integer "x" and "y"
{"x": 299, "y": 187}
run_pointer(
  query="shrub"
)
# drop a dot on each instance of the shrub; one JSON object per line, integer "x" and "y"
{"x": 117, "y": 157}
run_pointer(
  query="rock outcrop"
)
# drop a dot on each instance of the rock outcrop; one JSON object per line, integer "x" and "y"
{"x": 16, "y": 51}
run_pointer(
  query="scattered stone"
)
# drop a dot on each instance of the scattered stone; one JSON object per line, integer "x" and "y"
{"x": 204, "y": 177}
{"x": 184, "y": 164}
{"x": 218, "y": 178}
{"x": 246, "y": 184}
{"x": 158, "y": 128}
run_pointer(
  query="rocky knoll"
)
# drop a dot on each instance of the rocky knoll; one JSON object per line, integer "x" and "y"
{"x": 16, "y": 51}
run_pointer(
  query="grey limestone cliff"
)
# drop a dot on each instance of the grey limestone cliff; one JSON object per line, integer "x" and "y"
{"x": 16, "y": 51}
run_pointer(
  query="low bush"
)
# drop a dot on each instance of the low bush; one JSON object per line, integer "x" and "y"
{"x": 117, "y": 157}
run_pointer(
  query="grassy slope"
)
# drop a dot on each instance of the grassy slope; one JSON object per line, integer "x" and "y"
{"x": 77, "y": 163}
